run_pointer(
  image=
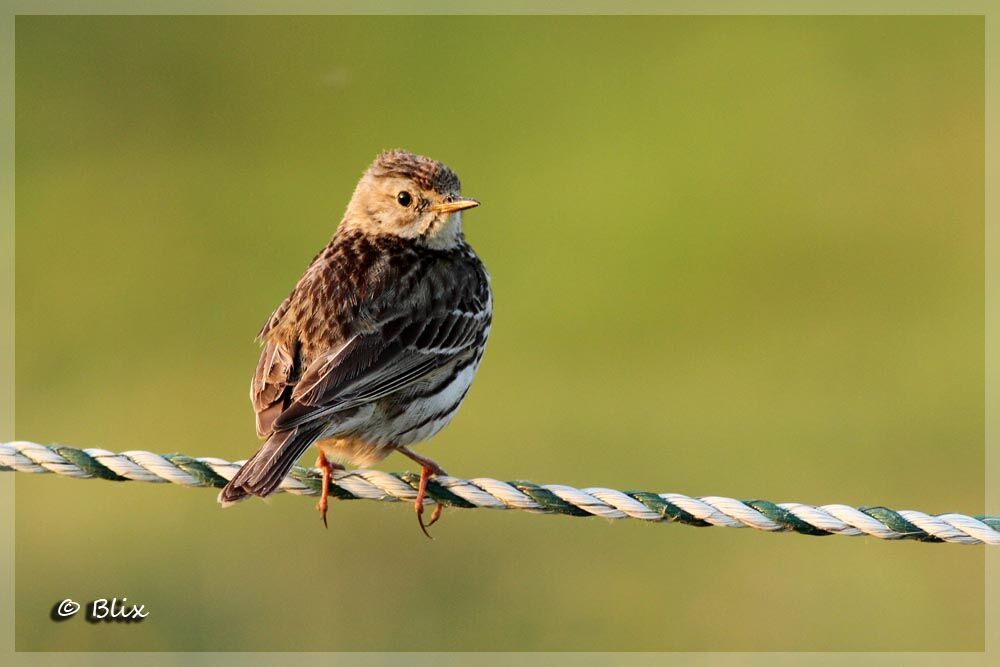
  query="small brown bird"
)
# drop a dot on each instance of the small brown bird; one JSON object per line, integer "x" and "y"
{"x": 376, "y": 347}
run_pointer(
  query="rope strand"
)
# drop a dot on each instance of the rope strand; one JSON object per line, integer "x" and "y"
{"x": 880, "y": 522}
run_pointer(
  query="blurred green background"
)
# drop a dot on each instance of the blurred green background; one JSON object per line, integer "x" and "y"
{"x": 734, "y": 256}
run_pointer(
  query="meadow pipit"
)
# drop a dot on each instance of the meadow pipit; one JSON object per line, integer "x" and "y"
{"x": 377, "y": 345}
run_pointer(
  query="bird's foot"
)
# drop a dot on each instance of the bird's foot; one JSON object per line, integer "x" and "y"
{"x": 427, "y": 468}
{"x": 418, "y": 505}
{"x": 323, "y": 464}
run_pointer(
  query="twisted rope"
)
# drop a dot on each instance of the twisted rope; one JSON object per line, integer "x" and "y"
{"x": 879, "y": 522}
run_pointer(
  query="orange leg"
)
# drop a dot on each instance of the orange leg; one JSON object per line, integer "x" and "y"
{"x": 427, "y": 468}
{"x": 327, "y": 469}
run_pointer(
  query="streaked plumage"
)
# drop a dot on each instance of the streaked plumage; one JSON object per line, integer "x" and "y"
{"x": 377, "y": 345}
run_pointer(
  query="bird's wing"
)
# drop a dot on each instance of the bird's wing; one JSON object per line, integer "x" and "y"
{"x": 271, "y": 387}
{"x": 396, "y": 353}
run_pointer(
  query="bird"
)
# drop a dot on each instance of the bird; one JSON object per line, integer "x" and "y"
{"x": 377, "y": 345}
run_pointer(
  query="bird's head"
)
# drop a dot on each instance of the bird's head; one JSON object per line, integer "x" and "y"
{"x": 411, "y": 197}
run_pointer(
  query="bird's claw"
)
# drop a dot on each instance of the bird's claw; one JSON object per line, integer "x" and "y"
{"x": 425, "y": 472}
{"x": 327, "y": 469}
{"x": 435, "y": 515}
{"x": 321, "y": 508}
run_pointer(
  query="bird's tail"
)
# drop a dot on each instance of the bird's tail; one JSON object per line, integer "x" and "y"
{"x": 262, "y": 474}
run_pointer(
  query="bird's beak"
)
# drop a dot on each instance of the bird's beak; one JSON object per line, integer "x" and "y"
{"x": 456, "y": 205}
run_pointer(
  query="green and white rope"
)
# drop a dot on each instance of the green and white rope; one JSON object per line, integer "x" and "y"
{"x": 880, "y": 522}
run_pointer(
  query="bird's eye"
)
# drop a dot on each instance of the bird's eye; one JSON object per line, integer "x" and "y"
{"x": 404, "y": 198}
